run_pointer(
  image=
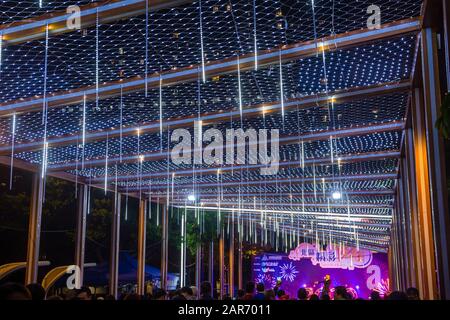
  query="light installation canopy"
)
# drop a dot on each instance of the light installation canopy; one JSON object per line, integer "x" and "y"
{"x": 116, "y": 50}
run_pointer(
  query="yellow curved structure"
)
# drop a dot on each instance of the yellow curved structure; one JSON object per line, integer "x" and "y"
{"x": 9, "y": 268}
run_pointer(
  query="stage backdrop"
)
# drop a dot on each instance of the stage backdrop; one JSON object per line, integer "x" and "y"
{"x": 359, "y": 270}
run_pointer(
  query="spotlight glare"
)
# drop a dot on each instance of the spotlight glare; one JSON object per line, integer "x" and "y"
{"x": 336, "y": 195}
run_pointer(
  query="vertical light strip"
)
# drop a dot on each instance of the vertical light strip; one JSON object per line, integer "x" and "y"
{"x": 314, "y": 21}
{"x": 121, "y": 125}
{"x": 239, "y": 85}
{"x": 146, "y": 48}
{"x": 201, "y": 42}
{"x": 45, "y": 107}
{"x": 106, "y": 163}
{"x": 96, "y": 58}
{"x": 281, "y": 87}
{"x": 255, "y": 35}
{"x": 83, "y": 139}
{"x": 44, "y": 159}
{"x": 44, "y": 103}
{"x": 13, "y": 139}
{"x": 160, "y": 111}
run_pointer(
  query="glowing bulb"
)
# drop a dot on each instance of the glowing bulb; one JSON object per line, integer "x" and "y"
{"x": 191, "y": 197}
{"x": 336, "y": 195}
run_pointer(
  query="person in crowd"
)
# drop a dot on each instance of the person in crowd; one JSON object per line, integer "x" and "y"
{"x": 302, "y": 294}
{"x": 14, "y": 291}
{"x": 314, "y": 297}
{"x": 194, "y": 292}
{"x": 84, "y": 293}
{"x": 37, "y": 291}
{"x": 340, "y": 293}
{"x": 240, "y": 294}
{"x": 227, "y": 297}
{"x": 325, "y": 297}
{"x": 413, "y": 294}
{"x": 249, "y": 291}
{"x": 110, "y": 297}
{"x": 280, "y": 294}
{"x": 259, "y": 292}
{"x": 375, "y": 295}
{"x": 132, "y": 296}
{"x": 54, "y": 298}
{"x": 269, "y": 295}
{"x": 187, "y": 293}
{"x": 205, "y": 291}
{"x": 159, "y": 294}
{"x": 178, "y": 296}
{"x": 397, "y": 295}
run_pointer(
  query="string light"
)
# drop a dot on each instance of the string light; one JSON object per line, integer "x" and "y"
{"x": 239, "y": 86}
{"x": 160, "y": 112}
{"x": 281, "y": 88}
{"x": 201, "y": 42}
{"x": 97, "y": 58}
{"x": 83, "y": 139}
{"x": 255, "y": 35}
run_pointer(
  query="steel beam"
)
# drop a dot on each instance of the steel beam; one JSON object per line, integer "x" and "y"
{"x": 283, "y": 140}
{"x": 164, "y": 244}
{"x": 230, "y": 65}
{"x": 80, "y": 234}
{"x": 108, "y": 11}
{"x": 115, "y": 246}
{"x": 142, "y": 228}
{"x": 385, "y": 176}
{"x": 209, "y": 118}
{"x": 34, "y": 229}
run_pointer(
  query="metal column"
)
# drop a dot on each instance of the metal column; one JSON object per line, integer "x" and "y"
{"x": 34, "y": 229}
{"x": 198, "y": 267}
{"x": 80, "y": 236}
{"x": 142, "y": 228}
{"x": 240, "y": 258}
{"x": 164, "y": 244}
{"x": 211, "y": 266}
{"x": 436, "y": 158}
{"x": 115, "y": 246}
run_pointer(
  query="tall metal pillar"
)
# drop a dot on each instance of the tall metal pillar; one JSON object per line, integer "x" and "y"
{"x": 34, "y": 229}
{"x": 436, "y": 157}
{"x": 198, "y": 267}
{"x": 446, "y": 15}
{"x": 240, "y": 258}
{"x": 115, "y": 246}
{"x": 222, "y": 262}
{"x": 410, "y": 137}
{"x": 426, "y": 250}
{"x": 164, "y": 245}
{"x": 80, "y": 236}
{"x": 142, "y": 227}
{"x": 211, "y": 265}
{"x": 231, "y": 261}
